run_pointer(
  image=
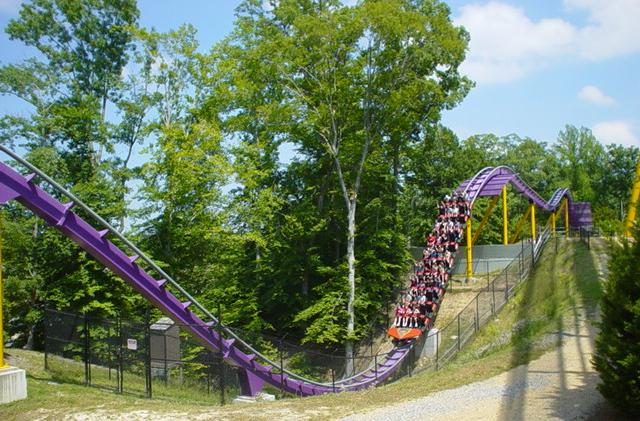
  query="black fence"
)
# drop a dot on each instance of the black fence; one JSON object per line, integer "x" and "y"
{"x": 147, "y": 359}
{"x": 586, "y": 233}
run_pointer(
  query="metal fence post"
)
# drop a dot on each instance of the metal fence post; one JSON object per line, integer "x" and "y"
{"x": 488, "y": 278}
{"x": 437, "y": 348}
{"x": 521, "y": 259}
{"x": 477, "y": 313}
{"x": 333, "y": 379}
{"x": 147, "y": 344}
{"x": 375, "y": 365}
{"x": 458, "y": 331}
{"x": 46, "y": 333}
{"x": 533, "y": 252}
{"x": 506, "y": 286}
{"x": 120, "y": 357}
{"x": 493, "y": 294}
{"x": 87, "y": 352}
{"x": 209, "y": 371}
{"x": 413, "y": 360}
{"x": 282, "y": 367}
{"x": 221, "y": 360}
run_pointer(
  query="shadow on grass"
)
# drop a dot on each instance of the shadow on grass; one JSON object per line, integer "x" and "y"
{"x": 571, "y": 290}
{"x": 583, "y": 312}
{"x": 514, "y": 397}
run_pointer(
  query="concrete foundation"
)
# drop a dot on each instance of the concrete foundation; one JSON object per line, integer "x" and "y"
{"x": 13, "y": 384}
{"x": 489, "y": 257}
{"x": 430, "y": 345}
{"x": 253, "y": 399}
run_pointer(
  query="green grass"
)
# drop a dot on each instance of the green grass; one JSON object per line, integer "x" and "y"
{"x": 561, "y": 285}
{"x": 67, "y": 371}
{"x": 59, "y": 391}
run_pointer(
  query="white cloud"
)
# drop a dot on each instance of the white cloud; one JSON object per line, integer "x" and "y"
{"x": 10, "y": 6}
{"x": 507, "y": 45}
{"x": 618, "y": 131}
{"x": 594, "y": 95}
{"x": 612, "y": 29}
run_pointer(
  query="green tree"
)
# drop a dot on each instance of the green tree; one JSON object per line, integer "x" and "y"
{"x": 82, "y": 50}
{"x": 433, "y": 167}
{"x": 581, "y": 157}
{"x": 344, "y": 71}
{"x": 85, "y": 44}
{"x": 617, "y": 356}
{"x": 614, "y": 187}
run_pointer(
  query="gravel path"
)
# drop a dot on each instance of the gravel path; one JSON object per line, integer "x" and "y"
{"x": 560, "y": 385}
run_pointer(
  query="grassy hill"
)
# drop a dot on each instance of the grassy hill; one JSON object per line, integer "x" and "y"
{"x": 561, "y": 283}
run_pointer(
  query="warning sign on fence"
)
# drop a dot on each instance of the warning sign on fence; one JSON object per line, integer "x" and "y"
{"x": 132, "y": 344}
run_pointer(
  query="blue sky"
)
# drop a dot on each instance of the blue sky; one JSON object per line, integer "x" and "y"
{"x": 538, "y": 64}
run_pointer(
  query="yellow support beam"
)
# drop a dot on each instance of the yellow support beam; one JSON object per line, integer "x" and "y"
{"x": 469, "y": 247}
{"x": 633, "y": 203}
{"x": 560, "y": 213}
{"x": 553, "y": 223}
{"x": 519, "y": 226}
{"x": 505, "y": 217}
{"x": 485, "y": 219}
{"x": 566, "y": 217}
{"x": 2, "y": 364}
{"x": 532, "y": 208}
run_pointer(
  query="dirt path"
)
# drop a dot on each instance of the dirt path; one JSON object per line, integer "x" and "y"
{"x": 560, "y": 385}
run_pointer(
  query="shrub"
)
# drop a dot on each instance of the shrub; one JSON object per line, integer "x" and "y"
{"x": 617, "y": 356}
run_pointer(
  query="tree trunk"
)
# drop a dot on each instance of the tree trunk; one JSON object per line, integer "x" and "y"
{"x": 351, "y": 262}
{"x": 30, "y": 338}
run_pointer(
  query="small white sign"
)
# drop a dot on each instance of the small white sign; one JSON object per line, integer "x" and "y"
{"x": 132, "y": 344}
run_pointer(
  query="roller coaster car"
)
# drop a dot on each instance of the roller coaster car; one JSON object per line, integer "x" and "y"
{"x": 402, "y": 334}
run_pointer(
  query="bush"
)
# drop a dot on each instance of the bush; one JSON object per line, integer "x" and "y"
{"x": 617, "y": 356}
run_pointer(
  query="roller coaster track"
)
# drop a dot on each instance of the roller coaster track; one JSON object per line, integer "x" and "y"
{"x": 489, "y": 182}
{"x": 255, "y": 369}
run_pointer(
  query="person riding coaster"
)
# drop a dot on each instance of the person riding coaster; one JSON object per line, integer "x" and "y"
{"x": 420, "y": 302}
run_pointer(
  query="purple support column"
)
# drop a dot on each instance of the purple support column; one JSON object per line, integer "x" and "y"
{"x": 250, "y": 384}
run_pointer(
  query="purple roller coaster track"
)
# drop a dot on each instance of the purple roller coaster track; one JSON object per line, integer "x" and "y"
{"x": 255, "y": 369}
{"x": 490, "y": 180}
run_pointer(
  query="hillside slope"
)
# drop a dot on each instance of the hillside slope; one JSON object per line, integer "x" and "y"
{"x": 559, "y": 385}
